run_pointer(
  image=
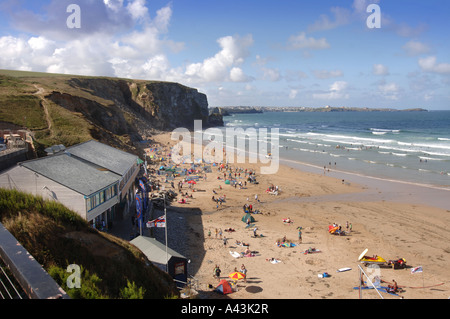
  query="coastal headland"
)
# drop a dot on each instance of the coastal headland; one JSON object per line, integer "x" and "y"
{"x": 228, "y": 110}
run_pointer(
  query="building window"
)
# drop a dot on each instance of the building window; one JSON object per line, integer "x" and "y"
{"x": 101, "y": 197}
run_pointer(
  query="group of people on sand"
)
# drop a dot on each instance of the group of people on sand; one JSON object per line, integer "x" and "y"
{"x": 217, "y": 272}
{"x": 348, "y": 226}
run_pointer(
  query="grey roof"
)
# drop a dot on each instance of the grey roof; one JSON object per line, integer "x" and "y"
{"x": 103, "y": 155}
{"x": 154, "y": 250}
{"x": 80, "y": 176}
{"x": 55, "y": 149}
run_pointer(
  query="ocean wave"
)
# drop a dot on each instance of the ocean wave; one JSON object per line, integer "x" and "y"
{"x": 384, "y": 130}
{"x": 443, "y": 139}
{"x": 413, "y": 150}
{"x": 298, "y": 141}
{"x": 345, "y": 139}
{"x": 431, "y": 158}
{"x": 287, "y": 134}
{"x": 426, "y": 146}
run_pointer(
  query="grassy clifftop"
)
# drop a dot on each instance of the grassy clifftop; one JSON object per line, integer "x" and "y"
{"x": 57, "y": 237}
{"x": 69, "y": 109}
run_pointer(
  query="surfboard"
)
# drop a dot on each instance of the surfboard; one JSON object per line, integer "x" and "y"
{"x": 344, "y": 269}
{"x": 235, "y": 254}
{"x": 363, "y": 254}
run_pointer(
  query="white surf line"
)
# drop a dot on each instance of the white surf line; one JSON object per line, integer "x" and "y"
{"x": 368, "y": 176}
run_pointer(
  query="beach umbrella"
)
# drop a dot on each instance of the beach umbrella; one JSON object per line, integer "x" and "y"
{"x": 192, "y": 182}
{"x": 236, "y": 275}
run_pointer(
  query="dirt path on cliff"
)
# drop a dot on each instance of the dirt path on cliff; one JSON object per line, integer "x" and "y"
{"x": 41, "y": 94}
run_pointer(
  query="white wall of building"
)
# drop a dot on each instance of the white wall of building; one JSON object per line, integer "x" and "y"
{"x": 25, "y": 180}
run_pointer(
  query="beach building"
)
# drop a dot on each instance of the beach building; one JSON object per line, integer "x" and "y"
{"x": 117, "y": 161}
{"x": 160, "y": 256}
{"x": 91, "y": 178}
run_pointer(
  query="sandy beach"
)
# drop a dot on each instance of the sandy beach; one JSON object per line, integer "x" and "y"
{"x": 391, "y": 220}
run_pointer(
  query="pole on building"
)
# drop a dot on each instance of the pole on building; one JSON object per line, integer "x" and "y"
{"x": 165, "y": 218}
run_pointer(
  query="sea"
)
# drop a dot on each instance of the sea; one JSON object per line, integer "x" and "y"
{"x": 405, "y": 146}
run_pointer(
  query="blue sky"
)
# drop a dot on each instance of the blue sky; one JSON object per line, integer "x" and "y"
{"x": 247, "y": 52}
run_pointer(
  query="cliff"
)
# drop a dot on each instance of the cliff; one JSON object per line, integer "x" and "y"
{"x": 64, "y": 109}
{"x": 164, "y": 105}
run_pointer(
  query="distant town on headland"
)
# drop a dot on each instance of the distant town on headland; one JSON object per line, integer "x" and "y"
{"x": 227, "y": 110}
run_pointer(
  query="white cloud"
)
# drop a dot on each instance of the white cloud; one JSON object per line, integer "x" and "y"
{"x": 429, "y": 64}
{"x": 14, "y": 53}
{"x": 114, "y": 5}
{"x": 339, "y": 86}
{"x": 162, "y": 19}
{"x": 360, "y": 6}
{"x": 271, "y": 74}
{"x": 293, "y": 94}
{"x": 380, "y": 69}
{"x": 389, "y": 91}
{"x": 337, "y": 91}
{"x": 301, "y": 41}
{"x": 137, "y": 9}
{"x": 223, "y": 65}
{"x": 139, "y": 52}
{"x": 238, "y": 75}
{"x": 414, "y": 48}
{"x": 341, "y": 17}
{"x": 324, "y": 74}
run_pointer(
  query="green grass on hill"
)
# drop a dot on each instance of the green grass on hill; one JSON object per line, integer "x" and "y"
{"x": 57, "y": 237}
{"x": 24, "y": 102}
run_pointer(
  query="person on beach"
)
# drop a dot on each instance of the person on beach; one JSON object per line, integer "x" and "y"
{"x": 225, "y": 240}
{"x": 244, "y": 271}
{"x": 217, "y": 272}
{"x": 299, "y": 234}
{"x": 393, "y": 287}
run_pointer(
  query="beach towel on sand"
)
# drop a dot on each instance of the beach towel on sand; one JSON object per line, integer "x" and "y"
{"x": 288, "y": 245}
{"x": 235, "y": 254}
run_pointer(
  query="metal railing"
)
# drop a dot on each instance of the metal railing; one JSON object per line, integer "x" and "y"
{"x": 27, "y": 272}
